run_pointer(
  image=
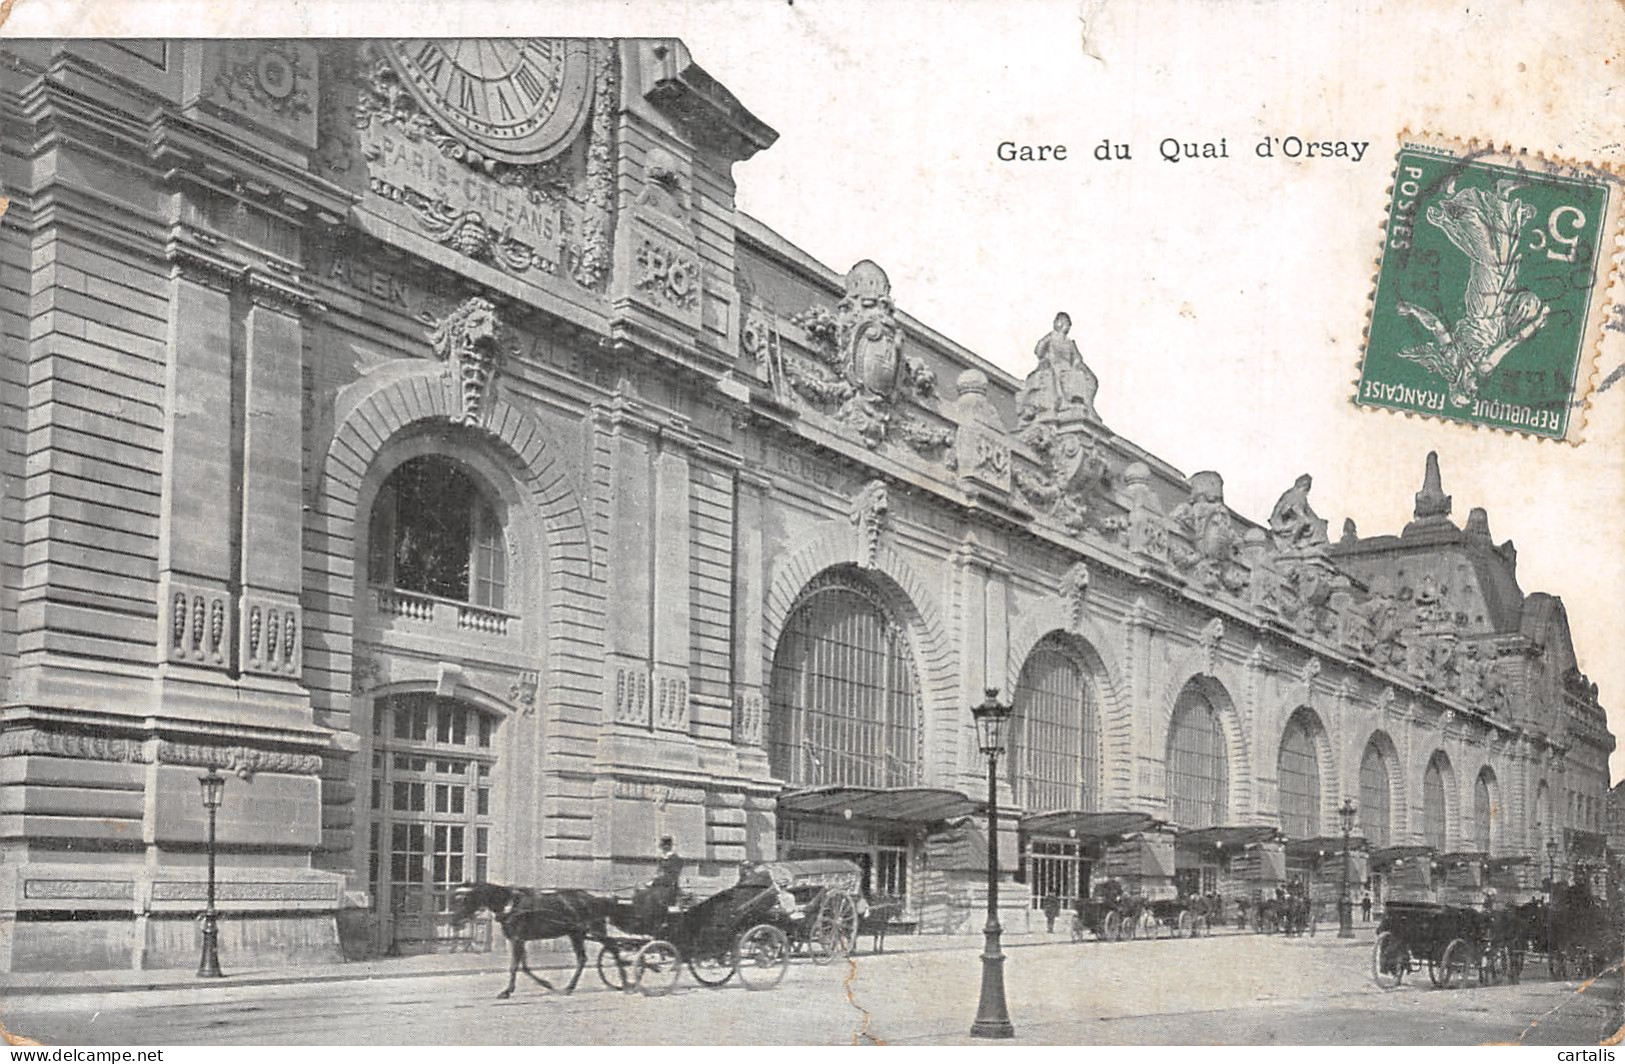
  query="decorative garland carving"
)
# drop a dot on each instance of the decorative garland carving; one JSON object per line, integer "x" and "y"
{"x": 869, "y": 516}
{"x": 20, "y": 742}
{"x": 244, "y": 761}
{"x": 1074, "y": 587}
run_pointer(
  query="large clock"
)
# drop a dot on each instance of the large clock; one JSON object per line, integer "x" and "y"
{"x": 516, "y": 100}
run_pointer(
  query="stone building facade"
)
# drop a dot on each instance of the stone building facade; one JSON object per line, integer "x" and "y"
{"x": 417, "y": 432}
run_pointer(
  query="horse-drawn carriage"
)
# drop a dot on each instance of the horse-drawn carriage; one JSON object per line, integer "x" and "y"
{"x": 1114, "y": 915}
{"x": 1449, "y": 941}
{"x": 1574, "y": 933}
{"x": 748, "y": 930}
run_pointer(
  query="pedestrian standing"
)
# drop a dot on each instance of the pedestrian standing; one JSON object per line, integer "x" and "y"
{"x": 1365, "y": 908}
{"x": 1052, "y": 909}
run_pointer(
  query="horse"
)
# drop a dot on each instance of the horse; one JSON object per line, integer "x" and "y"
{"x": 527, "y": 915}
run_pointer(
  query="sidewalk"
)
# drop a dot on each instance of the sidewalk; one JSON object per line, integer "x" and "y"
{"x": 548, "y": 956}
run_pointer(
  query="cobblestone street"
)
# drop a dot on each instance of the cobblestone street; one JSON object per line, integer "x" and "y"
{"x": 1236, "y": 989}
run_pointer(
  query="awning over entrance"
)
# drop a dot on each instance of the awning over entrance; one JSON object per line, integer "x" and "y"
{"x": 1584, "y": 844}
{"x": 913, "y": 805}
{"x": 1510, "y": 861}
{"x": 1087, "y": 827}
{"x": 1463, "y": 857}
{"x": 1394, "y": 854}
{"x": 1227, "y": 838}
{"x": 1323, "y": 846}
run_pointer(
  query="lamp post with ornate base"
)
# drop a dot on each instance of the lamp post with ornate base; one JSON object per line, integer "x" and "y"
{"x": 992, "y": 1014}
{"x": 1345, "y": 904}
{"x": 214, "y": 786}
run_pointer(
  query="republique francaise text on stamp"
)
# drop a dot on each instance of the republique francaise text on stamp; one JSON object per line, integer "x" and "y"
{"x": 1492, "y": 289}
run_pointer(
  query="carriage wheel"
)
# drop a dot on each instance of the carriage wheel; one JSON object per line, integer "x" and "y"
{"x": 1494, "y": 965}
{"x": 656, "y": 967}
{"x": 1111, "y": 928}
{"x": 761, "y": 957}
{"x": 1388, "y": 961}
{"x": 844, "y": 914}
{"x": 822, "y": 936}
{"x": 1185, "y": 927}
{"x": 1453, "y": 965}
{"x": 615, "y": 973}
{"x": 711, "y": 971}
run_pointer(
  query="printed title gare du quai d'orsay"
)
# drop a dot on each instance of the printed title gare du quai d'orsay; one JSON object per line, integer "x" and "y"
{"x": 614, "y": 516}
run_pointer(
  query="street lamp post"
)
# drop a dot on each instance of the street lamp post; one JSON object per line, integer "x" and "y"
{"x": 1345, "y": 904}
{"x": 992, "y": 1014}
{"x": 214, "y": 786}
{"x": 1551, "y": 867}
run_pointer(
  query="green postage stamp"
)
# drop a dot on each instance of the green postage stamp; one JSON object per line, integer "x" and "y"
{"x": 1493, "y": 289}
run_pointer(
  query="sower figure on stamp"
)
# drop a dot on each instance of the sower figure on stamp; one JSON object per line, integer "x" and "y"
{"x": 1060, "y": 382}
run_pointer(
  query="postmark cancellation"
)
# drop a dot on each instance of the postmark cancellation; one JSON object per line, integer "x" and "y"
{"x": 1493, "y": 287}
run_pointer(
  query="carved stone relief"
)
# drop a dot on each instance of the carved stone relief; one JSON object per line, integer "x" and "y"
{"x": 859, "y": 371}
{"x": 548, "y": 217}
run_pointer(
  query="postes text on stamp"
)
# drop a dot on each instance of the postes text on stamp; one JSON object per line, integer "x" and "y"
{"x": 1492, "y": 289}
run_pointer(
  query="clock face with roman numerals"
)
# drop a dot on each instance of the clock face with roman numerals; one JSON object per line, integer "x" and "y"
{"x": 517, "y": 100}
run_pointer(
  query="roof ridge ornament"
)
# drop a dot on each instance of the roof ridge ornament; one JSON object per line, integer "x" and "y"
{"x": 1432, "y": 504}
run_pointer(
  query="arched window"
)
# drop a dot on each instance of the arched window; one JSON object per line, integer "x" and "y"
{"x": 432, "y": 766}
{"x": 1054, "y": 755}
{"x": 844, "y": 704}
{"x": 1434, "y": 816}
{"x": 1483, "y": 811}
{"x": 434, "y": 532}
{"x": 1374, "y": 795}
{"x": 1298, "y": 767}
{"x": 1198, "y": 772}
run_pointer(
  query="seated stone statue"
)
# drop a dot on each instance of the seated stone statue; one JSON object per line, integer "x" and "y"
{"x": 1294, "y": 522}
{"x": 1060, "y": 382}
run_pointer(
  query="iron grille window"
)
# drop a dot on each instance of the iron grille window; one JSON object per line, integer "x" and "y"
{"x": 1433, "y": 809}
{"x": 1054, "y": 746}
{"x": 1198, "y": 776}
{"x": 844, "y": 706}
{"x": 1298, "y": 769}
{"x": 433, "y": 532}
{"x": 1481, "y": 813}
{"x": 1374, "y": 816}
{"x": 1057, "y": 869}
{"x": 433, "y": 776}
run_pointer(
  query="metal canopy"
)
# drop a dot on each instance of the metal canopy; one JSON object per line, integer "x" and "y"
{"x": 1464, "y": 857}
{"x": 1323, "y": 846}
{"x": 1510, "y": 861}
{"x": 915, "y": 805}
{"x": 1227, "y": 838}
{"x": 1391, "y": 854}
{"x": 1087, "y": 827}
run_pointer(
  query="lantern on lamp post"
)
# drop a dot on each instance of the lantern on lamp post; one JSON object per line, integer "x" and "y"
{"x": 214, "y": 787}
{"x": 1345, "y": 904}
{"x": 992, "y": 1014}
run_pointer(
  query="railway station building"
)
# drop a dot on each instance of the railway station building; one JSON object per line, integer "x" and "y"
{"x": 417, "y": 433}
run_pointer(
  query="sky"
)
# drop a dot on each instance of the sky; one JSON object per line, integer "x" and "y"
{"x": 1220, "y": 300}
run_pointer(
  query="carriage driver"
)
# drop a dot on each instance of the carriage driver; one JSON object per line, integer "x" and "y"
{"x": 664, "y": 889}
